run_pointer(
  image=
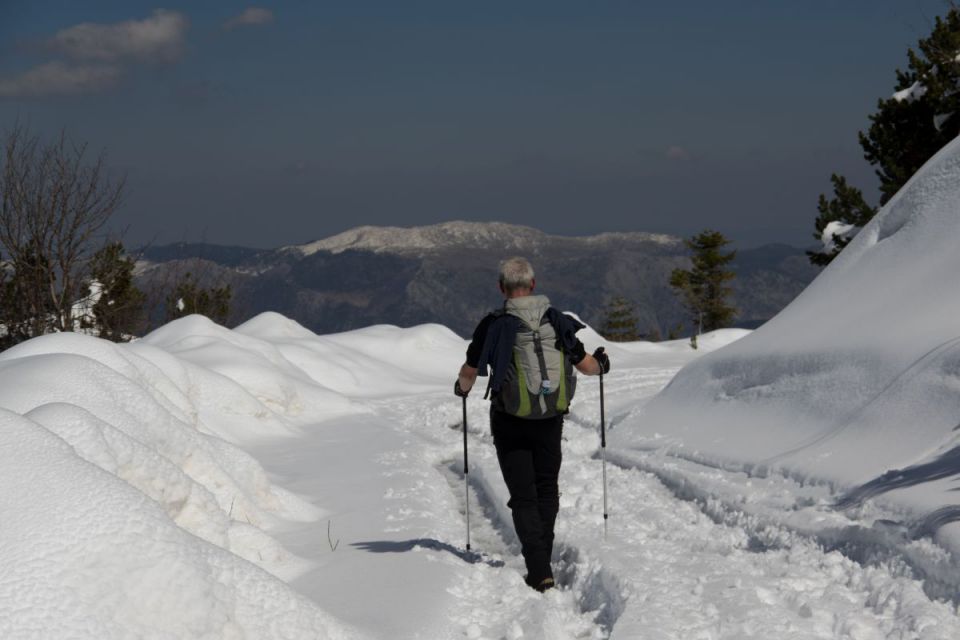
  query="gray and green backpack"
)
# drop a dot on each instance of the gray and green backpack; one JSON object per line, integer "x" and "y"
{"x": 540, "y": 380}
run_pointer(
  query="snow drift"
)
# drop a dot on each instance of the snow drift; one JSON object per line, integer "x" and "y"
{"x": 128, "y": 510}
{"x": 857, "y": 382}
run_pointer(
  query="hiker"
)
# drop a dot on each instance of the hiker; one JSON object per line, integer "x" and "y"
{"x": 530, "y": 347}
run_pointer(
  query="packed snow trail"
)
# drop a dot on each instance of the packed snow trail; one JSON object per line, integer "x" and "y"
{"x": 394, "y": 563}
{"x": 670, "y": 568}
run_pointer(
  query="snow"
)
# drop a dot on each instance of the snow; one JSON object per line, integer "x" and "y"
{"x": 834, "y": 230}
{"x": 911, "y": 93}
{"x": 794, "y": 482}
{"x": 82, "y": 311}
{"x": 854, "y": 385}
{"x": 391, "y": 239}
{"x": 447, "y": 235}
{"x": 265, "y": 482}
{"x": 122, "y": 518}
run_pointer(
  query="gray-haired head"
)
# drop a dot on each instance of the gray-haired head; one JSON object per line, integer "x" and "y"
{"x": 516, "y": 273}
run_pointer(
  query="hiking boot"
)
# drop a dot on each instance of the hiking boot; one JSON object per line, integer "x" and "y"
{"x": 542, "y": 585}
{"x": 546, "y": 583}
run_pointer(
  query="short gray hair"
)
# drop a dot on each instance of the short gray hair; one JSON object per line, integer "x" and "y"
{"x": 516, "y": 273}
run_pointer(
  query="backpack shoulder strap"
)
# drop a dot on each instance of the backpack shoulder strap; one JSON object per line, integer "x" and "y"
{"x": 496, "y": 314}
{"x": 498, "y": 346}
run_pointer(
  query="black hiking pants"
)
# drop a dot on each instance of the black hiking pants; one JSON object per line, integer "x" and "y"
{"x": 529, "y": 456}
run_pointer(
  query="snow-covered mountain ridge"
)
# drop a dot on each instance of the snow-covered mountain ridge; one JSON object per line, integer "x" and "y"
{"x": 451, "y": 235}
{"x": 446, "y": 273}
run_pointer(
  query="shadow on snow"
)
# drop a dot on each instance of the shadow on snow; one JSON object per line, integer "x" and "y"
{"x": 402, "y": 546}
{"x": 944, "y": 466}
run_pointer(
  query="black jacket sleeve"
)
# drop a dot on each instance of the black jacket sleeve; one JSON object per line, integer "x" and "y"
{"x": 566, "y": 328}
{"x": 475, "y": 347}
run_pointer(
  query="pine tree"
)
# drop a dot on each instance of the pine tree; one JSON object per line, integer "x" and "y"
{"x": 620, "y": 323}
{"x": 905, "y": 131}
{"x": 675, "y": 332}
{"x": 120, "y": 312}
{"x": 703, "y": 287}
{"x": 839, "y": 218}
{"x": 188, "y": 297}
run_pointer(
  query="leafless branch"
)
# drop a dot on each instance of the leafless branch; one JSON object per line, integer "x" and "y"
{"x": 54, "y": 203}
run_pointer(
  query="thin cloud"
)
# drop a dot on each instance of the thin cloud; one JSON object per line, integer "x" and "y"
{"x": 96, "y": 56}
{"x": 159, "y": 38}
{"x": 58, "y": 78}
{"x": 250, "y": 17}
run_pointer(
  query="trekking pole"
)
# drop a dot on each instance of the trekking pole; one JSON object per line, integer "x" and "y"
{"x": 603, "y": 455}
{"x": 466, "y": 470}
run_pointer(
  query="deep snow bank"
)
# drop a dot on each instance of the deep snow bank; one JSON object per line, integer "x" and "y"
{"x": 859, "y": 376}
{"x": 128, "y": 511}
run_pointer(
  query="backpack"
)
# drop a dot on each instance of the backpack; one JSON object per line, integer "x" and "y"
{"x": 540, "y": 380}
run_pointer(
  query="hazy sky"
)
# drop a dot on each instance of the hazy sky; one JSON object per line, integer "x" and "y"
{"x": 285, "y": 122}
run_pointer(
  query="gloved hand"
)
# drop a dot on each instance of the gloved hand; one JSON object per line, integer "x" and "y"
{"x": 458, "y": 391}
{"x": 602, "y": 359}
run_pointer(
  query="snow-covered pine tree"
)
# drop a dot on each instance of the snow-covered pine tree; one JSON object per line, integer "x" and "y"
{"x": 906, "y": 130}
{"x": 839, "y": 220}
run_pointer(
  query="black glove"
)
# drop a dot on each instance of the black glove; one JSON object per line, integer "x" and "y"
{"x": 458, "y": 391}
{"x": 602, "y": 359}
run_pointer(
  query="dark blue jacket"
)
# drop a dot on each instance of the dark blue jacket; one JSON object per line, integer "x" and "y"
{"x": 502, "y": 334}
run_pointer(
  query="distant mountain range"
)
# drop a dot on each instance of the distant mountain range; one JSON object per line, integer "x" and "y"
{"x": 447, "y": 273}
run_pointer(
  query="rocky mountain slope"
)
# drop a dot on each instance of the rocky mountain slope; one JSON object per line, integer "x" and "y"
{"x": 446, "y": 273}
